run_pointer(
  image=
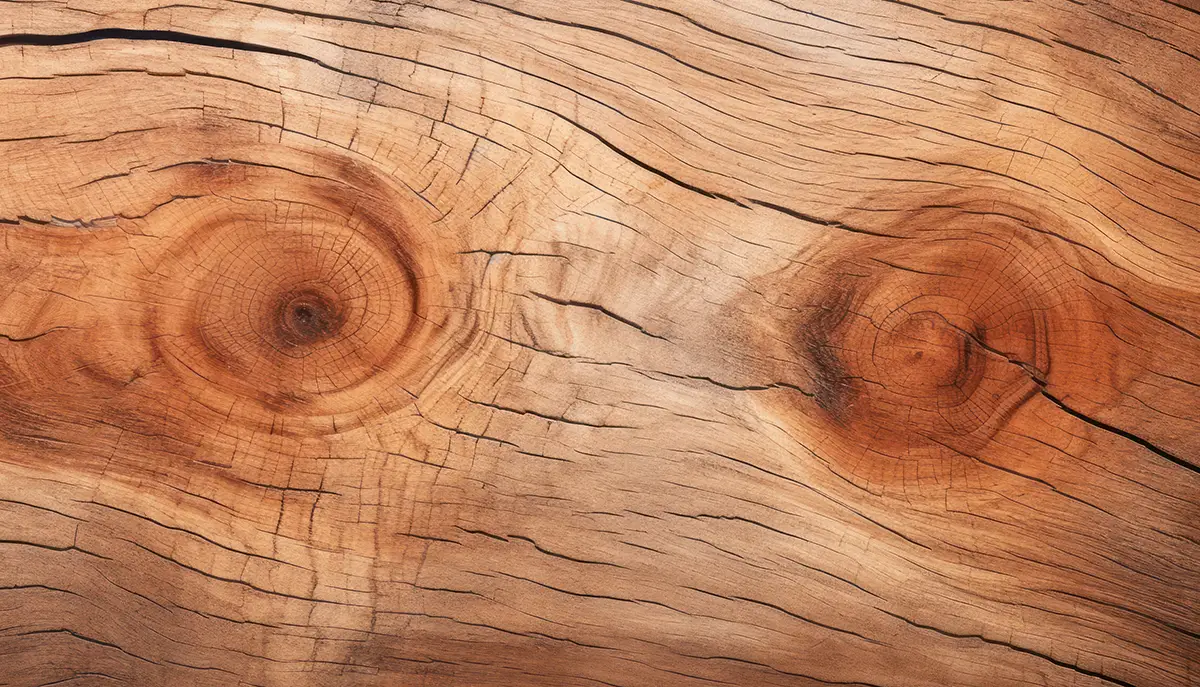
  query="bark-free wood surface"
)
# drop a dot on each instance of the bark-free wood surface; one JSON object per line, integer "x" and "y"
{"x": 686, "y": 342}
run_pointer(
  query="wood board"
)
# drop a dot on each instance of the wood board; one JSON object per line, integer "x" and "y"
{"x": 363, "y": 342}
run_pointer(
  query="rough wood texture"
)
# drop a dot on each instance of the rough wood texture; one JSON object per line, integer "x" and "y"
{"x": 599, "y": 342}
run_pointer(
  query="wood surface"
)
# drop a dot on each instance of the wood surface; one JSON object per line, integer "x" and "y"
{"x": 376, "y": 343}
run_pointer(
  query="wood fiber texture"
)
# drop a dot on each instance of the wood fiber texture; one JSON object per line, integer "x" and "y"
{"x": 375, "y": 343}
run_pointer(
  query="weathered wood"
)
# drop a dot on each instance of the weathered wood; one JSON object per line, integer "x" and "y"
{"x": 361, "y": 342}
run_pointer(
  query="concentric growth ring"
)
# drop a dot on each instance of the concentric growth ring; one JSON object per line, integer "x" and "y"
{"x": 289, "y": 314}
{"x": 930, "y": 345}
{"x": 917, "y": 351}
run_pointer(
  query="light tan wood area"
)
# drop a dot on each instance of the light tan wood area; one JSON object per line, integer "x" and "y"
{"x": 374, "y": 343}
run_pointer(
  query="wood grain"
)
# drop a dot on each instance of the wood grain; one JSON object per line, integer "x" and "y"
{"x": 686, "y": 342}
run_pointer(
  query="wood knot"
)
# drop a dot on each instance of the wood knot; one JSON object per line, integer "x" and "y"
{"x": 915, "y": 347}
{"x": 300, "y": 309}
{"x": 264, "y": 310}
{"x": 302, "y": 306}
{"x": 916, "y": 351}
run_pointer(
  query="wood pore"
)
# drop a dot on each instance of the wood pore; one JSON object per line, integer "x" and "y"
{"x": 376, "y": 343}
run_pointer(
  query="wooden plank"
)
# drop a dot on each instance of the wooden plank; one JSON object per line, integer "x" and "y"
{"x": 677, "y": 342}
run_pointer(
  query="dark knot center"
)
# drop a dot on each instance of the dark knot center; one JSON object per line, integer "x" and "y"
{"x": 308, "y": 317}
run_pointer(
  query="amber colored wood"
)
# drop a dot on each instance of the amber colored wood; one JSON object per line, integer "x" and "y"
{"x": 373, "y": 343}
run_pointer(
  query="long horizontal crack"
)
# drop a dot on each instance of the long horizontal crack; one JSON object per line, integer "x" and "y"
{"x": 1162, "y": 453}
{"x": 52, "y": 39}
{"x": 1014, "y": 647}
{"x": 166, "y": 36}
